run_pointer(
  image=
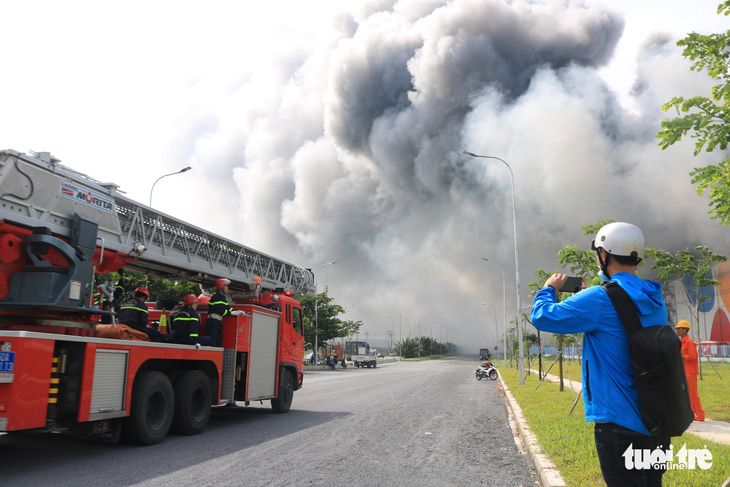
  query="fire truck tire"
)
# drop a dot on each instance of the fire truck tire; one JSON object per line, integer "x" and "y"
{"x": 282, "y": 403}
{"x": 192, "y": 403}
{"x": 153, "y": 403}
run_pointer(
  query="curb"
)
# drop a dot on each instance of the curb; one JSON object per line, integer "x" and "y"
{"x": 546, "y": 471}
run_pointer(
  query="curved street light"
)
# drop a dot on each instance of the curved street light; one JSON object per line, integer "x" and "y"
{"x": 316, "y": 305}
{"x": 517, "y": 264}
{"x": 171, "y": 174}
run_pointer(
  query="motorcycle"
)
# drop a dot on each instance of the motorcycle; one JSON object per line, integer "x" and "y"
{"x": 486, "y": 370}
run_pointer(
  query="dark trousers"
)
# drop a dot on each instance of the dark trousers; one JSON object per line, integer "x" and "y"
{"x": 612, "y": 441}
{"x": 214, "y": 329}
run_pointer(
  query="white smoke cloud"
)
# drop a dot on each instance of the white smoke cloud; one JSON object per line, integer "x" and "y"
{"x": 359, "y": 157}
{"x": 345, "y": 143}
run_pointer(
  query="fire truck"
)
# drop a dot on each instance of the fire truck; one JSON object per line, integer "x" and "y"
{"x": 59, "y": 230}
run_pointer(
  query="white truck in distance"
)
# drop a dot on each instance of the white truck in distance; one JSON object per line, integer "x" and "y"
{"x": 363, "y": 358}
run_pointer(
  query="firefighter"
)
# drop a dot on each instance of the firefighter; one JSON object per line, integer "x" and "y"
{"x": 691, "y": 368}
{"x": 133, "y": 313}
{"x": 218, "y": 308}
{"x": 186, "y": 323}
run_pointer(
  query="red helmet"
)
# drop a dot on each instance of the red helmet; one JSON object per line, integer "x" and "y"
{"x": 142, "y": 290}
{"x": 221, "y": 283}
{"x": 189, "y": 299}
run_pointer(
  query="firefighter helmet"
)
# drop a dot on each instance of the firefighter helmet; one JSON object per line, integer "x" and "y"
{"x": 142, "y": 290}
{"x": 221, "y": 283}
{"x": 683, "y": 324}
{"x": 189, "y": 299}
{"x": 622, "y": 239}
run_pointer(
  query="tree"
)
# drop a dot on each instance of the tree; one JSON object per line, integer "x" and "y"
{"x": 407, "y": 348}
{"x": 328, "y": 325}
{"x": 708, "y": 119}
{"x": 421, "y": 347}
{"x": 168, "y": 293}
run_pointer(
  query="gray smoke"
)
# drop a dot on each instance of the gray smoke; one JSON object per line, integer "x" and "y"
{"x": 355, "y": 155}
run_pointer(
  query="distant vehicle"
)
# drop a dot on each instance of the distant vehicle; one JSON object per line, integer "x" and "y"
{"x": 362, "y": 355}
{"x": 380, "y": 355}
{"x": 309, "y": 357}
{"x": 484, "y": 354}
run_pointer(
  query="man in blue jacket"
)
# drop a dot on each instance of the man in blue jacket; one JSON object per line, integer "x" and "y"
{"x": 609, "y": 390}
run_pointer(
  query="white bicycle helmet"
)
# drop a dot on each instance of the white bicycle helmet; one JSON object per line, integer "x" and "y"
{"x": 620, "y": 239}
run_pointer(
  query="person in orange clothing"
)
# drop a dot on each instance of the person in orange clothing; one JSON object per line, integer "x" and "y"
{"x": 691, "y": 368}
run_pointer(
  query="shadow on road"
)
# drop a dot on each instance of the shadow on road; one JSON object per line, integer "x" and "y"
{"x": 34, "y": 458}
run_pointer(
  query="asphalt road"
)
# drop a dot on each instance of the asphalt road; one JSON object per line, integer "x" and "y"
{"x": 401, "y": 424}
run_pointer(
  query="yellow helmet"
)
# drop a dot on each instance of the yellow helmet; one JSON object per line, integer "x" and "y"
{"x": 683, "y": 324}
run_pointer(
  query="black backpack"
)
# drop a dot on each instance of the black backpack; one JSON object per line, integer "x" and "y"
{"x": 656, "y": 356}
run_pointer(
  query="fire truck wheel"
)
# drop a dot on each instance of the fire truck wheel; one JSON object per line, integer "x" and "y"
{"x": 192, "y": 402}
{"x": 283, "y": 401}
{"x": 152, "y": 408}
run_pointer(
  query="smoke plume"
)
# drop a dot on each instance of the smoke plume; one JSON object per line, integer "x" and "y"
{"x": 354, "y": 153}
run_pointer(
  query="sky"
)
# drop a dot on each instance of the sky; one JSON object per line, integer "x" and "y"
{"x": 334, "y": 131}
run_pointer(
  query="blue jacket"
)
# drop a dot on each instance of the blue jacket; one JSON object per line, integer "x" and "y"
{"x": 609, "y": 390}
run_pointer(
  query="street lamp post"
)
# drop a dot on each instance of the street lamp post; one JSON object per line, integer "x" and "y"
{"x": 517, "y": 265}
{"x": 504, "y": 309}
{"x": 445, "y": 343}
{"x": 418, "y": 323}
{"x": 392, "y": 332}
{"x": 171, "y": 174}
{"x": 316, "y": 305}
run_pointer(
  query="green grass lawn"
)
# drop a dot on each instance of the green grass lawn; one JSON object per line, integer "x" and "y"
{"x": 568, "y": 440}
{"x": 714, "y": 388}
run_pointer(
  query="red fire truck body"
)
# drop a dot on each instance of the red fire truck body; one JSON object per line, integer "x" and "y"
{"x": 57, "y": 373}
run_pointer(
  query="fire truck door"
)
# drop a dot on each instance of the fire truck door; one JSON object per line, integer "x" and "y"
{"x": 263, "y": 360}
{"x": 295, "y": 338}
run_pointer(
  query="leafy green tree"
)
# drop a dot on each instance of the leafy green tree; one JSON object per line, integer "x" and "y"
{"x": 407, "y": 348}
{"x": 171, "y": 292}
{"x": 328, "y": 325}
{"x": 421, "y": 347}
{"x": 707, "y": 118}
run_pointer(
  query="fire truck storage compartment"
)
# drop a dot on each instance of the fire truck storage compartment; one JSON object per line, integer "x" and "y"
{"x": 263, "y": 358}
{"x": 110, "y": 377}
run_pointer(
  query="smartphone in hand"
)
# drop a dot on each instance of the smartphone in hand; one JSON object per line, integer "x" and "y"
{"x": 572, "y": 285}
